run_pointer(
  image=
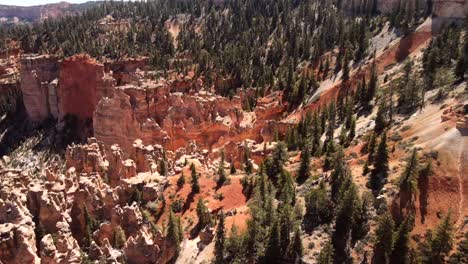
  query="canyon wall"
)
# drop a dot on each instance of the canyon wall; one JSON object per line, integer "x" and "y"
{"x": 36, "y": 75}
{"x": 450, "y": 8}
{"x": 117, "y": 104}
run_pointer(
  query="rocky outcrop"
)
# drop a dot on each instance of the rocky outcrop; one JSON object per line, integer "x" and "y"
{"x": 157, "y": 113}
{"x": 66, "y": 90}
{"x": 37, "y": 72}
{"x": 457, "y": 9}
{"x": 81, "y": 85}
{"x": 17, "y": 238}
{"x": 142, "y": 248}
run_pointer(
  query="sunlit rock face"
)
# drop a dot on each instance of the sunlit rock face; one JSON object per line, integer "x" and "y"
{"x": 36, "y": 75}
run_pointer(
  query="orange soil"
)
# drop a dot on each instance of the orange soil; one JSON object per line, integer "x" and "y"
{"x": 233, "y": 198}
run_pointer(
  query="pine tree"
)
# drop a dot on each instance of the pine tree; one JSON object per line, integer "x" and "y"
{"x": 279, "y": 157}
{"x": 462, "y": 63}
{"x": 204, "y": 217}
{"x": 345, "y": 75}
{"x": 232, "y": 169}
{"x": 286, "y": 188}
{"x": 339, "y": 175}
{"x": 220, "y": 240}
{"x": 407, "y": 181}
{"x": 352, "y": 130}
{"x": 380, "y": 120}
{"x": 383, "y": 245}
{"x": 173, "y": 232}
{"x": 326, "y": 255}
{"x": 372, "y": 86}
{"x": 297, "y": 250}
{"x": 345, "y": 220}
{"x": 273, "y": 250}
{"x": 304, "y": 168}
{"x": 195, "y": 184}
{"x": 222, "y": 178}
{"x": 162, "y": 167}
{"x": 119, "y": 238}
{"x": 285, "y": 228}
{"x": 442, "y": 240}
{"x": 319, "y": 207}
{"x": 317, "y": 133}
{"x": 461, "y": 254}
{"x": 181, "y": 180}
{"x": 381, "y": 163}
{"x": 247, "y": 162}
{"x": 255, "y": 241}
{"x": 371, "y": 148}
{"x": 401, "y": 247}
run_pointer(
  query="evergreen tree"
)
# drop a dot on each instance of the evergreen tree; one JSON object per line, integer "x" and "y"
{"x": 220, "y": 240}
{"x": 326, "y": 255}
{"x": 195, "y": 184}
{"x": 383, "y": 245}
{"x": 304, "y": 168}
{"x": 204, "y": 216}
{"x": 441, "y": 242}
{"x": 345, "y": 220}
{"x": 380, "y": 120}
{"x": 162, "y": 167}
{"x": 339, "y": 175}
{"x": 352, "y": 130}
{"x": 119, "y": 238}
{"x": 319, "y": 207}
{"x": 297, "y": 250}
{"x": 173, "y": 232}
{"x": 408, "y": 182}
{"x": 286, "y": 188}
{"x": 247, "y": 162}
{"x": 181, "y": 180}
{"x": 372, "y": 86}
{"x": 461, "y": 254}
{"x": 317, "y": 133}
{"x": 222, "y": 178}
{"x": 273, "y": 250}
{"x": 285, "y": 228}
{"x": 371, "y": 148}
{"x": 345, "y": 75}
{"x": 279, "y": 157}
{"x": 255, "y": 241}
{"x": 401, "y": 247}
{"x": 381, "y": 164}
{"x": 462, "y": 63}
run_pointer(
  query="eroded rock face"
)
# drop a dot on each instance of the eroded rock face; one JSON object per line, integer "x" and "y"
{"x": 37, "y": 72}
{"x": 142, "y": 248}
{"x": 17, "y": 237}
{"x": 450, "y": 8}
{"x": 157, "y": 113}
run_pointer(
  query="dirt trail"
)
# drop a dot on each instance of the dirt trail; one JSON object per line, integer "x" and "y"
{"x": 462, "y": 161}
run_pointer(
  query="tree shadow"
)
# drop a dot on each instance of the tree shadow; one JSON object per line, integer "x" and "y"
{"x": 423, "y": 185}
{"x": 404, "y": 48}
{"x": 188, "y": 202}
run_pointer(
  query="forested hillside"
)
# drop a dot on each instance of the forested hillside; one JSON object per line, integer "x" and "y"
{"x": 236, "y": 131}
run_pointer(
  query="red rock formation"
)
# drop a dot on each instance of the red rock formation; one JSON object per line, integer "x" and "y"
{"x": 36, "y": 74}
{"x": 157, "y": 113}
{"x": 81, "y": 84}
